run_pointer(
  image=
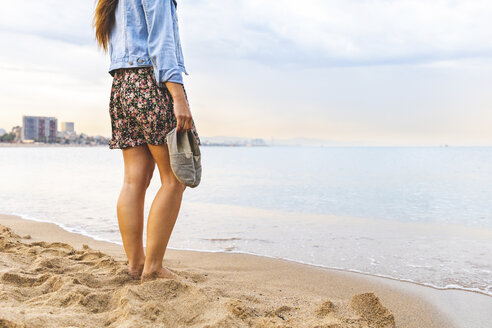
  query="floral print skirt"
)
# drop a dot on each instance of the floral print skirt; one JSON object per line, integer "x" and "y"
{"x": 141, "y": 111}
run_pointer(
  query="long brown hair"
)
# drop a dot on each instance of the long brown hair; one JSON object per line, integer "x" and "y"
{"x": 103, "y": 21}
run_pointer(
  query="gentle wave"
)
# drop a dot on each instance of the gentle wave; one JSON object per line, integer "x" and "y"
{"x": 78, "y": 230}
{"x": 75, "y": 229}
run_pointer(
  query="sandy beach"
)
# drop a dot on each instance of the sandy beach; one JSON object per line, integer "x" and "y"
{"x": 54, "y": 278}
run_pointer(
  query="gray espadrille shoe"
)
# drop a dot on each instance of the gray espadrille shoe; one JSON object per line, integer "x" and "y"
{"x": 185, "y": 157}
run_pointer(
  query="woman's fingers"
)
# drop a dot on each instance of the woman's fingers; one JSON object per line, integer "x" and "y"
{"x": 184, "y": 123}
{"x": 187, "y": 125}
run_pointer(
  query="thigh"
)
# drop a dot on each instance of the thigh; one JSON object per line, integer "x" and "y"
{"x": 161, "y": 157}
{"x": 139, "y": 165}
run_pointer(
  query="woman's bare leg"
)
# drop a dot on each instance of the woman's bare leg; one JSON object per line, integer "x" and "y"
{"x": 162, "y": 216}
{"x": 139, "y": 167}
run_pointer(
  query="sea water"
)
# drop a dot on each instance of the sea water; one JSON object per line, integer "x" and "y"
{"x": 421, "y": 214}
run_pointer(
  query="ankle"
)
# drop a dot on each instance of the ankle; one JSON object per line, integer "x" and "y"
{"x": 149, "y": 268}
{"x": 137, "y": 264}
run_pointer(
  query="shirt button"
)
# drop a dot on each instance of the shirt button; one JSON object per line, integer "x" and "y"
{"x": 130, "y": 62}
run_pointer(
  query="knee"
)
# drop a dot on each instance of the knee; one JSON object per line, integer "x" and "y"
{"x": 136, "y": 184}
{"x": 176, "y": 186}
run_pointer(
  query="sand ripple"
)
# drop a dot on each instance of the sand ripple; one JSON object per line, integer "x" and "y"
{"x": 55, "y": 285}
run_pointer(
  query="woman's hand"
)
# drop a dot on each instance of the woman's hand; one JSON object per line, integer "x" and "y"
{"x": 183, "y": 114}
{"x": 181, "y": 106}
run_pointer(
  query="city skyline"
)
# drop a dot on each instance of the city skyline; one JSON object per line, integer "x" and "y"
{"x": 410, "y": 73}
{"x": 44, "y": 129}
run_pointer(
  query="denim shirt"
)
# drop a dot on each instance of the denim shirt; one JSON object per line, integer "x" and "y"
{"x": 146, "y": 34}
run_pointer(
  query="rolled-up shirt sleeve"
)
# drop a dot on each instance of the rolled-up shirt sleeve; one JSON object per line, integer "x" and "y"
{"x": 161, "y": 41}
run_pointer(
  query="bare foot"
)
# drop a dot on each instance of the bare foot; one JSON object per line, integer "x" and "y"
{"x": 162, "y": 273}
{"x": 136, "y": 273}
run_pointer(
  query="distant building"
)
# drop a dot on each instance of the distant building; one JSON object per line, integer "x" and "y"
{"x": 67, "y": 127}
{"x": 257, "y": 142}
{"x": 17, "y": 131}
{"x": 67, "y": 133}
{"x": 39, "y": 128}
{"x": 2, "y": 132}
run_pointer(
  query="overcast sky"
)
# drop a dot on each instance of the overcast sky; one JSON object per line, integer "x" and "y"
{"x": 379, "y": 72}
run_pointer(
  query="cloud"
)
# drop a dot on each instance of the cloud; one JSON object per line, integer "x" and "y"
{"x": 340, "y": 32}
{"x": 311, "y": 33}
{"x": 68, "y": 21}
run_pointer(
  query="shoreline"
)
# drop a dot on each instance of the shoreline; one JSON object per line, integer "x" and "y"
{"x": 450, "y": 227}
{"x": 412, "y": 305}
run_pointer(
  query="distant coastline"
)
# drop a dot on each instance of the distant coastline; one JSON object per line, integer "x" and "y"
{"x": 18, "y": 144}
{"x": 7, "y": 145}
{"x": 216, "y": 141}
